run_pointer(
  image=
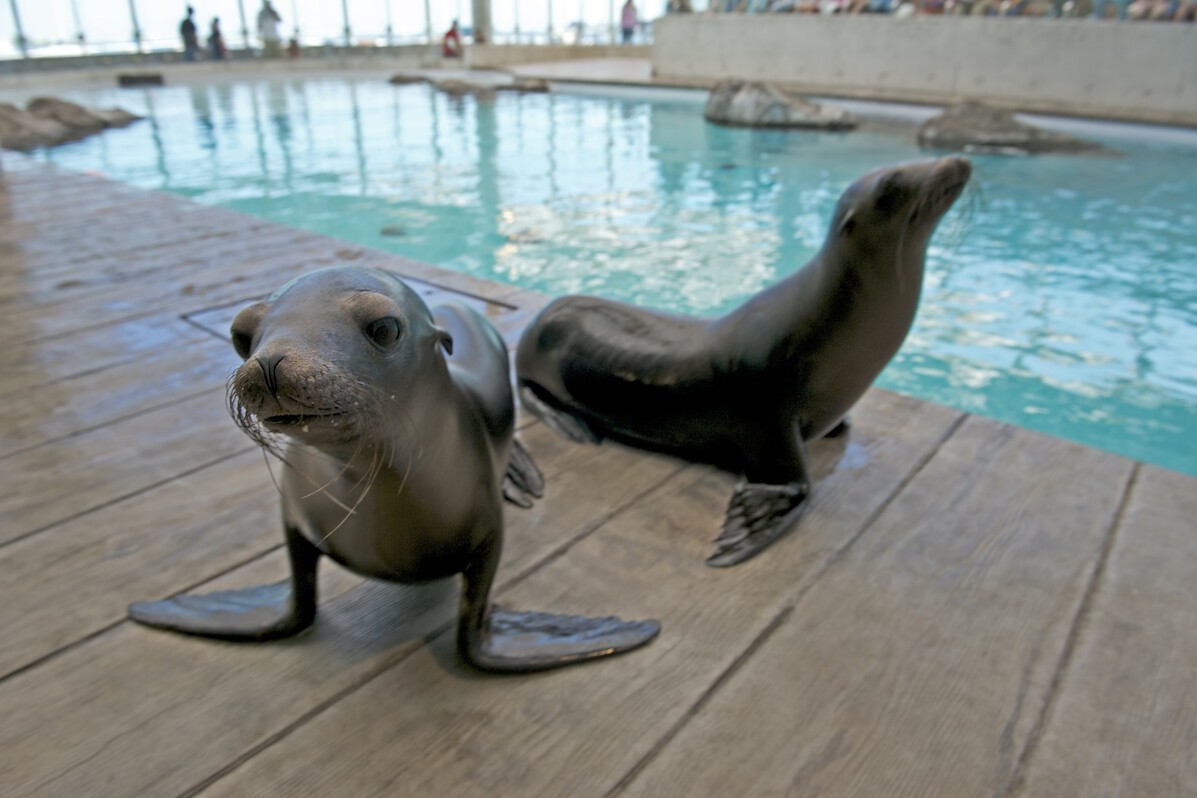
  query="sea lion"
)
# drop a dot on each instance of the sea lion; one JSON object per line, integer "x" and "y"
{"x": 395, "y": 425}
{"x": 745, "y": 391}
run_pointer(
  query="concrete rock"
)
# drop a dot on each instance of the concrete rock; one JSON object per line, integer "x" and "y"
{"x": 65, "y": 113}
{"x": 973, "y": 127}
{"x": 48, "y": 121}
{"x": 460, "y": 88}
{"x": 21, "y": 130}
{"x": 750, "y": 104}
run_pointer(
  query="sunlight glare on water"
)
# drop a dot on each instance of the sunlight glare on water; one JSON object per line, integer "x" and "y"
{"x": 1061, "y": 292}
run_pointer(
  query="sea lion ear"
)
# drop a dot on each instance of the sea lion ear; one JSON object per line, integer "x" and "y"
{"x": 848, "y": 223}
{"x": 444, "y": 339}
{"x": 244, "y": 326}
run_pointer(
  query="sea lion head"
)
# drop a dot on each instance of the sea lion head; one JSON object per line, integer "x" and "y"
{"x": 892, "y": 212}
{"x": 331, "y": 355}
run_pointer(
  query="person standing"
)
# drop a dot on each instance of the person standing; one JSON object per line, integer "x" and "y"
{"x": 451, "y": 42}
{"x": 216, "y": 41}
{"x": 268, "y": 21}
{"x": 628, "y": 21}
{"x": 190, "y": 36}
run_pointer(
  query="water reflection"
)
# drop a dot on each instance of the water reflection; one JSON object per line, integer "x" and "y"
{"x": 1060, "y": 295}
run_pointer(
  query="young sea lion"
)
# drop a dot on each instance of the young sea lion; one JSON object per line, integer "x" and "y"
{"x": 745, "y": 391}
{"x": 395, "y": 425}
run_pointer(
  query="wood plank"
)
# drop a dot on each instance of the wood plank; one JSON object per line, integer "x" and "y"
{"x": 124, "y": 708}
{"x": 78, "y": 577}
{"x": 193, "y": 288}
{"x": 577, "y": 731}
{"x": 1125, "y": 722}
{"x": 93, "y": 399}
{"x": 49, "y": 360}
{"x": 48, "y": 484}
{"x": 140, "y": 256}
{"x": 144, "y": 712}
{"x": 923, "y": 661}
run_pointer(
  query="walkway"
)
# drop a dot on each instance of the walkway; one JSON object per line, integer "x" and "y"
{"x": 967, "y": 609}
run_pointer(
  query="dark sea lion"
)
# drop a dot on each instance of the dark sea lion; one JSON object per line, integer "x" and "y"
{"x": 745, "y": 391}
{"x": 396, "y": 428}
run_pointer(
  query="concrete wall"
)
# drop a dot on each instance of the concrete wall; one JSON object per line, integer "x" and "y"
{"x": 1143, "y": 71}
{"x": 495, "y": 56}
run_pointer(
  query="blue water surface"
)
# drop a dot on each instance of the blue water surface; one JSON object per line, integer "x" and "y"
{"x": 1061, "y": 292}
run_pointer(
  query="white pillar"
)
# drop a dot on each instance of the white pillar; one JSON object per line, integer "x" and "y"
{"x": 482, "y": 26}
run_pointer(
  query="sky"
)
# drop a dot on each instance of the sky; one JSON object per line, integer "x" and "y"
{"x": 110, "y": 21}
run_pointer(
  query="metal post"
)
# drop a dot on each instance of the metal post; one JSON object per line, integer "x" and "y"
{"x": 22, "y": 42}
{"x": 428, "y": 21}
{"x": 244, "y": 26}
{"x": 515, "y": 7}
{"x": 136, "y": 25}
{"x": 78, "y": 24}
{"x": 295, "y": 21}
{"x": 550, "y": 28}
{"x": 611, "y": 20}
{"x": 390, "y": 37}
{"x": 345, "y": 16}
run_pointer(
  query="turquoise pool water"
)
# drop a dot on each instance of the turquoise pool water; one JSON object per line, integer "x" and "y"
{"x": 1061, "y": 292}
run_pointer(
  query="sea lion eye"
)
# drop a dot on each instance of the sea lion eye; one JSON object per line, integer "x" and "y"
{"x": 383, "y": 333}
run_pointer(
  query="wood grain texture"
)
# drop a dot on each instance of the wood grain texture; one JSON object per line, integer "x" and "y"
{"x": 78, "y": 577}
{"x": 922, "y": 661}
{"x": 138, "y": 712}
{"x": 577, "y": 731}
{"x": 1125, "y": 723}
{"x": 92, "y": 399}
{"x": 146, "y": 712}
{"x": 49, "y": 360}
{"x": 46, "y": 485}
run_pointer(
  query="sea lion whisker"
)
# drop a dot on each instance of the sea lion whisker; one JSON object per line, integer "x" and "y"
{"x": 344, "y": 467}
{"x": 373, "y": 472}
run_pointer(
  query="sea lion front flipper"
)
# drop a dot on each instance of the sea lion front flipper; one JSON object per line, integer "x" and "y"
{"x": 523, "y": 481}
{"x": 494, "y": 639}
{"x": 560, "y": 422}
{"x": 266, "y": 612}
{"x": 757, "y": 515}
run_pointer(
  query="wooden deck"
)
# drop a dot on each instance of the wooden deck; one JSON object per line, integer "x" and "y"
{"x": 967, "y": 609}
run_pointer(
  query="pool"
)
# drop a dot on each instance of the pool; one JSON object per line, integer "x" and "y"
{"x": 1061, "y": 292}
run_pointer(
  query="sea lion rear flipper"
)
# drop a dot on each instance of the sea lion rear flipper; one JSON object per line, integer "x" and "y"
{"x": 494, "y": 639}
{"x": 560, "y": 422}
{"x": 523, "y": 481}
{"x": 266, "y": 612}
{"x": 757, "y": 515}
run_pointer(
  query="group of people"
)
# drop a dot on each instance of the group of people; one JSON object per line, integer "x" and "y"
{"x": 1161, "y": 10}
{"x": 191, "y": 44}
{"x": 268, "y": 31}
{"x": 629, "y": 20}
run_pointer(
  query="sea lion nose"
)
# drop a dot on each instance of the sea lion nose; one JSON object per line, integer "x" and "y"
{"x": 268, "y": 362}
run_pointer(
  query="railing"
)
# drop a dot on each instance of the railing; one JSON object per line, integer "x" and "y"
{"x": 64, "y": 28}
